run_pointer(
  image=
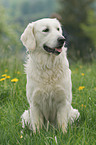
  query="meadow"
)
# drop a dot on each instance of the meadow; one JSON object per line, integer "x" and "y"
{"x": 13, "y": 102}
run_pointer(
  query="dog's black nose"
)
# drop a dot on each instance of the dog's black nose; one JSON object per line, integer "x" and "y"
{"x": 61, "y": 40}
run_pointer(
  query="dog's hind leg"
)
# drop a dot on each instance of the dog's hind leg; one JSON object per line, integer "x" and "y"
{"x": 74, "y": 114}
{"x": 25, "y": 118}
{"x": 31, "y": 119}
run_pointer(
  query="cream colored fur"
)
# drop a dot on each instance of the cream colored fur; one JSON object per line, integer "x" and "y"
{"x": 49, "y": 88}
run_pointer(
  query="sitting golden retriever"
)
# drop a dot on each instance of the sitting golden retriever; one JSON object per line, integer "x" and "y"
{"x": 49, "y": 88}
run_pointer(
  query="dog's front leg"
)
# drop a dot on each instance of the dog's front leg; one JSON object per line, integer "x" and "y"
{"x": 63, "y": 115}
{"x": 36, "y": 118}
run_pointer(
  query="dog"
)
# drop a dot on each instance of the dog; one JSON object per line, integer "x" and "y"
{"x": 49, "y": 87}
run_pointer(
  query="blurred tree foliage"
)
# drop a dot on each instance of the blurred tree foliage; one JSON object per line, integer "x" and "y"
{"x": 25, "y": 11}
{"x": 8, "y": 36}
{"x": 74, "y": 13}
{"x": 90, "y": 27}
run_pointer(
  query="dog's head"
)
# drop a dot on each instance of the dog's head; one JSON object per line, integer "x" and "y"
{"x": 44, "y": 35}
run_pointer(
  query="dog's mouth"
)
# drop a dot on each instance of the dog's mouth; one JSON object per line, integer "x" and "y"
{"x": 55, "y": 51}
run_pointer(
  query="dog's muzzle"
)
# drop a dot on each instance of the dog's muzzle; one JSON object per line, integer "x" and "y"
{"x": 56, "y": 50}
{"x": 52, "y": 50}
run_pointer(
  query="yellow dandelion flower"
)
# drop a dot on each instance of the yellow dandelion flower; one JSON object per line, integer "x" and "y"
{"x": 18, "y": 72}
{"x": 8, "y": 77}
{"x": 2, "y": 79}
{"x": 82, "y": 74}
{"x": 14, "y": 80}
{"x": 81, "y": 88}
{"x": 82, "y": 105}
{"x": 6, "y": 70}
{"x": 21, "y": 136}
{"x": 4, "y": 75}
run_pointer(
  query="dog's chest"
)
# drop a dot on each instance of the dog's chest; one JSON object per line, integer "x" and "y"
{"x": 51, "y": 76}
{"x": 48, "y": 76}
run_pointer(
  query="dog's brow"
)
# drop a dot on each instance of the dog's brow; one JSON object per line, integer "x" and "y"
{"x": 45, "y": 27}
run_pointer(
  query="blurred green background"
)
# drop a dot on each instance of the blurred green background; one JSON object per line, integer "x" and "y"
{"x": 77, "y": 17}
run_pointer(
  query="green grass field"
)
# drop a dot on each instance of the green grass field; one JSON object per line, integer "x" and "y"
{"x": 13, "y": 102}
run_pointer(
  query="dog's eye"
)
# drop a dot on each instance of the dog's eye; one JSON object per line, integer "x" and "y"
{"x": 58, "y": 29}
{"x": 46, "y": 30}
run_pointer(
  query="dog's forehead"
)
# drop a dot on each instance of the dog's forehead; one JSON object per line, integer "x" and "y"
{"x": 47, "y": 22}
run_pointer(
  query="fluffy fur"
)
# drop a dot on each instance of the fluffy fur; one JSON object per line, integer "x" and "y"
{"x": 49, "y": 88}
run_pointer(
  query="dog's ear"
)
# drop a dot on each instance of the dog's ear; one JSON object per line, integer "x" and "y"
{"x": 28, "y": 38}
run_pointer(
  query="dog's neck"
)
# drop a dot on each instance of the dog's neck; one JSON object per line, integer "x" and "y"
{"x": 45, "y": 60}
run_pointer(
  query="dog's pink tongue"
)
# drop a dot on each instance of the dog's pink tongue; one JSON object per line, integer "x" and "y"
{"x": 59, "y": 50}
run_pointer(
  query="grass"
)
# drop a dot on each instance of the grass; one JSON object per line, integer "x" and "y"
{"x": 13, "y": 102}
